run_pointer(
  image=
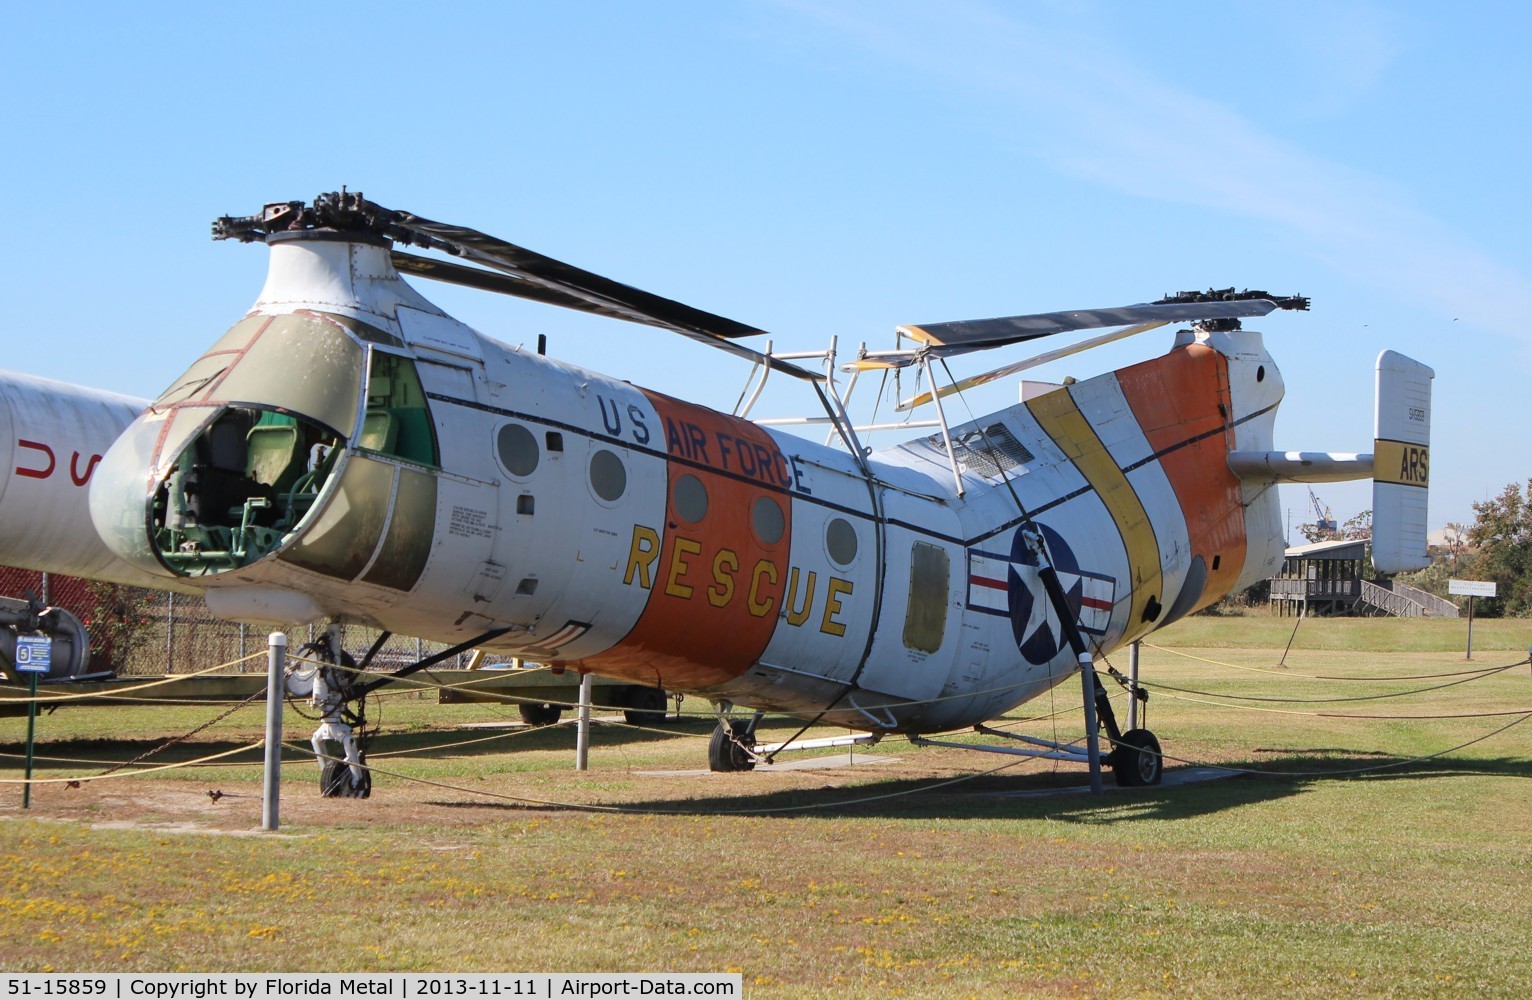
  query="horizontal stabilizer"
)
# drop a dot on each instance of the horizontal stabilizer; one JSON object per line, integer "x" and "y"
{"x": 1300, "y": 466}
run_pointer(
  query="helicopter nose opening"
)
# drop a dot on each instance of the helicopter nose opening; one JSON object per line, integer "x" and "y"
{"x": 238, "y": 488}
{"x": 225, "y": 486}
{"x": 223, "y": 467}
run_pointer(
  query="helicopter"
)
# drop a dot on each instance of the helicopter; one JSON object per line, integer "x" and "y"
{"x": 348, "y": 452}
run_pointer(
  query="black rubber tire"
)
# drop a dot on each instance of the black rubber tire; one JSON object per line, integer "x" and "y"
{"x": 335, "y": 781}
{"x": 647, "y": 706}
{"x": 724, "y": 752}
{"x": 1136, "y": 761}
{"x": 540, "y": 713}
{"x": 363, "y": 790}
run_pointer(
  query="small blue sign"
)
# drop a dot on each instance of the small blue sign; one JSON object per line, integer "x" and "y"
{"x": 34, "y": 653}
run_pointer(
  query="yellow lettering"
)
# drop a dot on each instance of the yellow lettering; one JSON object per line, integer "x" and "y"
{"x": 759, "y": 606}
{"x": 641, "y": 555}
{"x": 684, "y": 547}
{"x": 798, "y": 615}
{"x": 722, "y": 590}
{"x": 833, "y": 594}
{"x": 1413, "y": 462}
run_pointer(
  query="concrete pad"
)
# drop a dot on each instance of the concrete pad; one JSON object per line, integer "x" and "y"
{"x": 1172, "y": 779}
{"x": 809, "y": 764}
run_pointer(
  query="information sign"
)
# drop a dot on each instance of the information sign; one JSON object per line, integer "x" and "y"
{"x": 33, "y": 653}
{"x": 1471, "y": 588}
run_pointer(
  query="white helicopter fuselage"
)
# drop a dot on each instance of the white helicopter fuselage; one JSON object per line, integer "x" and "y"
{"x": 52, "y": 436}
{"x": 349, "y": 451}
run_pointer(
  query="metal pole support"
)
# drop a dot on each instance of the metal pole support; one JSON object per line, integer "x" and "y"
{"x": 1092, "y": 738}
{"x": 1133, "y": 685}
{"x": 582, "y": 728}
{"x": 276, "y": 684}
{"x": 26, "y": 789}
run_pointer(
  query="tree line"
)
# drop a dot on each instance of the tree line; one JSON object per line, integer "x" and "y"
{"x": 1497, "y": 547}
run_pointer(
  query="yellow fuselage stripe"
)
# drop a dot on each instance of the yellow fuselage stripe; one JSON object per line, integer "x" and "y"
{"x": 1062, "y": 420}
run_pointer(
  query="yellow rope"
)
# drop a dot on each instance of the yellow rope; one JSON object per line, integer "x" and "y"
{"x": 131, "y": 774}
{"x": 1323, "y": 677}
{"x": 511, "y": 699}
{"x": 92, "y": 762}
{"x": 462, "y": 743}
{"x": 120, "y": 692}
{"x": 1341, "y": 715}
{"x": 641, "y": 810}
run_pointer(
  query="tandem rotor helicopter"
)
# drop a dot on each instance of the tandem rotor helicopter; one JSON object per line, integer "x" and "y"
{"x": 348, "y": 452}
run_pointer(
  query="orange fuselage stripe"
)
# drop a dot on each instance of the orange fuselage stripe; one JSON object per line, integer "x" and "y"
{"x": 1177, "y": 398}
{"x": 715, "y": 587}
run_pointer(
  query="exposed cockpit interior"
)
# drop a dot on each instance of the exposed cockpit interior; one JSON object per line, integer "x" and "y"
{"x": 256, "y": 429}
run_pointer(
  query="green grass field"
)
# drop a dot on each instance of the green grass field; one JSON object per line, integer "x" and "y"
{"x": 1347, "y": 866}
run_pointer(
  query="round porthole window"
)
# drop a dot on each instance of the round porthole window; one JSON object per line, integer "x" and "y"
{"x": 689, "y": 498}
{"x": 608, "y": 476}
{"x": 518, "y": 449}
{"x": 767, "y": 520}
{"x": 840, "y": 541}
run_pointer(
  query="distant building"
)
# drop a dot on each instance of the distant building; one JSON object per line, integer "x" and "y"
{"x": 1323, "y": 578}
{"x": 1327, "y": 578}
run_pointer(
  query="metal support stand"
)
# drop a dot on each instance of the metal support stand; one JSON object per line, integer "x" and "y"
{"x": 582, "y": 727}
{"x": 26, "y": 789}
{"x": 1098, "y": 708}
{"x": 1092, "y": 726}
{"x": 1133, "y": 685}
{"x": 276, "y": 681}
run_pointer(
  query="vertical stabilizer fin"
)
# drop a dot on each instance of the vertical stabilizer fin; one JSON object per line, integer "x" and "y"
{"x": 1401, "y": 464}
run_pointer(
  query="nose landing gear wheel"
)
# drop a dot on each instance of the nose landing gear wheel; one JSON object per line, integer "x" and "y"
{"x": 1136, "y": 761}
{"x": 726, "y": 751}
{"x": 337, "y": 782}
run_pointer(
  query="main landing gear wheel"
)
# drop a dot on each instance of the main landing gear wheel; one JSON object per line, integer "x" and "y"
{"x": 646, "y": 706}
{"x": 1136, "y": 760}
{"x": 726, "y": 751}
{"x": 337, "y": 782}
{"x": 540, "y": 713}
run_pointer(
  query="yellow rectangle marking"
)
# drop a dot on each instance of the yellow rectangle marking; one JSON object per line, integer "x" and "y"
{"x": 1401, "y": 463}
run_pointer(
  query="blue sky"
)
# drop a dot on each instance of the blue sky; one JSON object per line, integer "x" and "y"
{"x": 816, "y": 169}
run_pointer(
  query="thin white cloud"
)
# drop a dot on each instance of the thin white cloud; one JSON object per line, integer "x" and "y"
{"x": 1087, "y": 106}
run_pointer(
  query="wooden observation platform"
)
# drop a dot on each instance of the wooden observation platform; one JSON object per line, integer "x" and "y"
{"x": 1326, "y": 578}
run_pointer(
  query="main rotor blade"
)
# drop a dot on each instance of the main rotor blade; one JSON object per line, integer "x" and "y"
{"x": 513, "y": 270}
{"x": 961, "y": 336}
{"x": 1037, "y": 359}
{"x": 545, "y": 279}
{"x": 491, "y": 281}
